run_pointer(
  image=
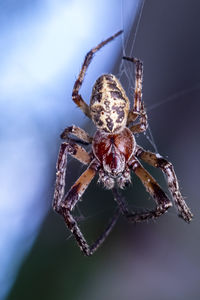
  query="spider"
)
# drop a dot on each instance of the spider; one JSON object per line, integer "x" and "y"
{"x": 114, "y": 152}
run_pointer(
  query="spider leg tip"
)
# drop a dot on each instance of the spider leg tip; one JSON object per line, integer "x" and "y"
{"x": 120, "y": 32}
{"x": 187, "y": 218}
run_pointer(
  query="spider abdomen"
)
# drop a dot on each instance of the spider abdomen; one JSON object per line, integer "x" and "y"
{"x": 109, "y": 104}
{"x": 114, "y": 150}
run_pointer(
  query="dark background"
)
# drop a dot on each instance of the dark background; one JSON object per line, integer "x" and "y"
{"x": 155, "y": 260}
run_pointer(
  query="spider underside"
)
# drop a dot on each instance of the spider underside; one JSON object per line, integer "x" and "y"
{"x": 114, "y": 154}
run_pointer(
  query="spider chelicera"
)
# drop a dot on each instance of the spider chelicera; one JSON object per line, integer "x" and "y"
{"x": 114, "y": 152}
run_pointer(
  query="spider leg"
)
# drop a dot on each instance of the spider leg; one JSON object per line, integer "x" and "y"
{"x": 142, "y": 125}
{"x": 105, "y": 233}
{"x": 64, "y": 204}
{"x": 78, "y": 83}
{"x": 138, "y": 106}
{"x": 68, "y": 202}
{"x": 77, "y": 152}
{"x": 162, "y": 201}
{"x": 81, "y": 134}
{"x": 159, "y": 162}
{"x": 120, "y": 201}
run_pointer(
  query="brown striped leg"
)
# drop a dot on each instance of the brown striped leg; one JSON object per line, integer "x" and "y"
{"x": 162, "y": 201}
{"x": 77, "y": 152}
{"x": 120, "y": 201}
{"x": 159, "y": 162}
{"x": 68, "y": 202}
{"x": 142, "y": 125}
{"x": 81, "y": 134}
{"x": 78, "y": 83}
{"x": 138, "y": 106}
{"x": 106, "y": 232}
{"x": 64, "y": 204}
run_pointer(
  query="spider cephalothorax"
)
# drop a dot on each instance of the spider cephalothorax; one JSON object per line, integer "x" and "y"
{"x": 114, "y": 152}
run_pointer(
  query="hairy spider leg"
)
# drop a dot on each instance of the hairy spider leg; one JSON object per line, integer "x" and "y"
{"x": 158, "y": 161}
{"x": 64, "y": 204}
{"x": 138, "y": 105}
{"x": 68, "y": 202}
{"x": 162, "y": 201}
{"x": 74, "y": 150}
{"x": 81, "y": 134}
{"x": 122, "y": 204}
{"x": 77, "y": 152}
{"x": 76, "y": 97}
{"x": 105, "y": 233}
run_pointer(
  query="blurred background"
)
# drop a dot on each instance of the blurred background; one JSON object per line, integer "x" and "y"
{"x": 43, "y": 44}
